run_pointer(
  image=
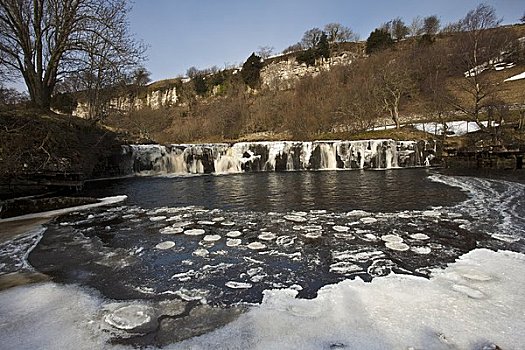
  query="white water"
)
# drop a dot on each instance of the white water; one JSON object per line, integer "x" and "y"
{"x": 280, "y": 155}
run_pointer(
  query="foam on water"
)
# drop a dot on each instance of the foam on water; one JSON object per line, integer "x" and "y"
{"x": 491, "y": 199}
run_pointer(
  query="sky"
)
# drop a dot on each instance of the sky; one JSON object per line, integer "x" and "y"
{"x": 205, "y": 33}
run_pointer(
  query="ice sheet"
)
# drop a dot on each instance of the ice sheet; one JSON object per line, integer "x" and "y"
{"x": 475, "y": 301}
{"x": 51, "y": 213}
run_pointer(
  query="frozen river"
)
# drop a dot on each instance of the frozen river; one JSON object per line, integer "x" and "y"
{"x": 266, "y": 256}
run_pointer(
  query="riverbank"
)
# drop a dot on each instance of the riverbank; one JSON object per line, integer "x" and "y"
{"x": 45, "y": 151}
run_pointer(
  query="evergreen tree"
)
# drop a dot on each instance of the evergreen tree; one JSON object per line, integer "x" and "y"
{"x": 199, "y": 82}
{"x": 307, "y": 56}
{"x": 378, "y": 40}
{"x": 323, "y": 48}
{"x": 251, "y": 71}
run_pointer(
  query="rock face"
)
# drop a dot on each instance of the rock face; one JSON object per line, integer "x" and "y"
{"x": 280, "y": 74}
{"x": 240, "y": 157}
{"x": 154, "y": 99}
{"x": 283, "y": 75}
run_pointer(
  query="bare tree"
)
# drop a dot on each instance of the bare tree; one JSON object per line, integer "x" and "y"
{"x": 478, "y": 48}
{"x": 522, "y": 19}
{"x": 311, "y": 38}
{"x": 393, "y": 81}
{"x": 453, "y": 27}
{"x": 44, "y": 40}
{"x": 10, "y": 96}
{"x": 431, "y": 25}
{"x": 293, "y": 48}
{"x": 336, "y": 33}
{"x": 431, "y": 70}
{"x": 399, "y": 29}
{"x": 416, "y": 27}
{"x": 140, "y": 76}
{"x": 265, "y": 51}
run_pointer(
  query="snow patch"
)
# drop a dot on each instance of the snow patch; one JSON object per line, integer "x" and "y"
{"x": 516, "y": 77}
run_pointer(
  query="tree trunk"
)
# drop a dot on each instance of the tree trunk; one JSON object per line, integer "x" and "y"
{"x": 395, "y": 116}
{"x": 39, "y": 93}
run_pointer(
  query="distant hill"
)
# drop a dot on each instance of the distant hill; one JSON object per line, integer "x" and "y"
{"x": 293, "y": 96}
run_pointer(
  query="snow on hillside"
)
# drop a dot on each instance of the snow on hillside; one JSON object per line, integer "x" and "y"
{"x": 516, "y": 77}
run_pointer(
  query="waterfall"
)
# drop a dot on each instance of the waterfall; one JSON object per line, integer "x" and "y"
{"x": 328, "y": 156}
{"x": 221, "y": 158}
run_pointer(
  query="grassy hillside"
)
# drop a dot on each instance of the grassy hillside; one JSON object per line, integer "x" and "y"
{"x": 342, "y": 102}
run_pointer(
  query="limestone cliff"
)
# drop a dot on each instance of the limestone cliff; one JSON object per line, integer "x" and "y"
{"x": 153, "y": 98}
{"x": 278, "y": 73}
{"x": 284, "y": 74}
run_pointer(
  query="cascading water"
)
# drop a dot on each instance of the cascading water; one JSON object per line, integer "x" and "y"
{"x": 239, "y": 157}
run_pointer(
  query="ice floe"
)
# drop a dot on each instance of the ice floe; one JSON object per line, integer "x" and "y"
{"x": 313, "y": 235}
{"x": 206, "y": 222}
{"x": 157, "y": 218}
{"x": 399, "y": 246}
{"x": 431, "y": 213}
{"x": 233, "y": 242}
{"x": 238, "y": 285}
{"x": 419, "y": 236}
{"x": 295, "y": 218}
{"x": 256, "y": 246}
{"x": 234, "y": 234}
{"x": 421, "y": 250}
{"x": 165, "y": 245}
{"x": 267, "y": 236}
{"x": 391, "y": 238}
{"x": 201, "y": 252}
{"x": 195, "y": 232}
{"x": 345, "y": 267}
{"x": 130, "y": 317}
{"x": 211, "y": 238}
{"x": 368, "y": 220}
{"x": 170, "y": 230}
{"x": 285, "y": 240}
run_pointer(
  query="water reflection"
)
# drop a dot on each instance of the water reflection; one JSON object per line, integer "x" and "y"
{"x": 285, "y": 191}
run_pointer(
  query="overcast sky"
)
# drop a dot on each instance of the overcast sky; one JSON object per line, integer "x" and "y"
{"x": 204, "y": 33}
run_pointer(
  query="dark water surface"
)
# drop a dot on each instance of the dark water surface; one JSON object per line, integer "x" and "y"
{"x": 337, "y": 191}
{"x": 226, "y": 239}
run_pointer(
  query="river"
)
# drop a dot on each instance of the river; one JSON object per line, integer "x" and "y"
{"x": 224, "y": 241}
